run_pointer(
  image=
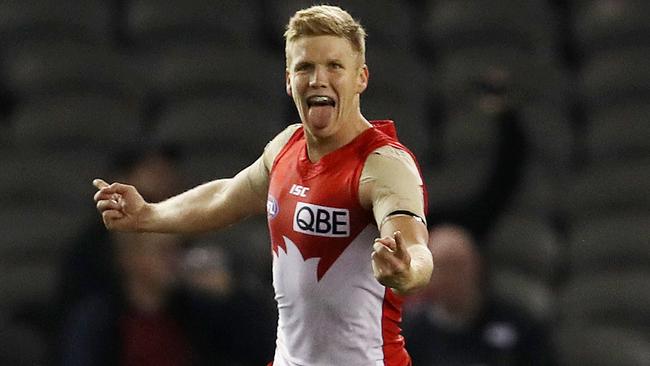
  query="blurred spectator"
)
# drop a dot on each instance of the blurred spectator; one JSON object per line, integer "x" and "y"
{"x": 239, "y": 324}
{"x": 500, "y": 149}
{"x": 145, "y": 299}
{"x": 169, "y": 307}
{"x": 455, "y": 321}
{"x": 135, "y": 323}
{"x": 89, "y": 265}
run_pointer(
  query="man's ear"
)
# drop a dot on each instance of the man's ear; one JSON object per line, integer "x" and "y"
{"x": 287, "y": 80}
{"x": 364, "y": 76}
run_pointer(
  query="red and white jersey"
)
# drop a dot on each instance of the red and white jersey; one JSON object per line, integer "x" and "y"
{"x": 332, "y": 311}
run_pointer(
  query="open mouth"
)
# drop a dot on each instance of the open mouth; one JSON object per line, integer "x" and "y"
{"x": 320, "y": 101}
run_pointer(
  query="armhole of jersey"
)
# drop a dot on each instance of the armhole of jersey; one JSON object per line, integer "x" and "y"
{"x": 278, "y": 145}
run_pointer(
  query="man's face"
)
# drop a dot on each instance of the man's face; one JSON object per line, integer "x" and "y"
{"x": 456, "y": 280}
{"x": 325, "y": 76}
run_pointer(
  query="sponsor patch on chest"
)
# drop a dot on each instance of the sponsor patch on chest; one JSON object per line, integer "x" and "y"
{"x": 321, "y": 220}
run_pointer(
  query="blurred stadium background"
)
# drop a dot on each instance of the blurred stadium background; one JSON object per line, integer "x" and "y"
{"x": 80, "y": 81}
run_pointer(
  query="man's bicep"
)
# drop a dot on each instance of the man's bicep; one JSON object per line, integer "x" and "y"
{"x": 393, "y": 185}
{"x": 249, "y": 188}
{"x": 257, "y": 177}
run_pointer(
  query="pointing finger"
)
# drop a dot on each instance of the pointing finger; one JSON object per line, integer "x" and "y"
{"x": 399, "y": 241}
{"x": 99, "y": 183}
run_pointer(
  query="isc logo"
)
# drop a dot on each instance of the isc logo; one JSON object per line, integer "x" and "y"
{"x": 298, "y": 190}
{"x": 321, "y": 220}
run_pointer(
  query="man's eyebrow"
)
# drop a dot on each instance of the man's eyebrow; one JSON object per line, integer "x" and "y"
{"x": 335, "y": 61}
{"x": 301, "y": 64}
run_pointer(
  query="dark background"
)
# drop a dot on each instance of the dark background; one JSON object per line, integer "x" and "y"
{"x": 529, "y": 119}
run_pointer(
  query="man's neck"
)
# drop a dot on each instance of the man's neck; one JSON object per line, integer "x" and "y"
{"x": 317, "y": 148}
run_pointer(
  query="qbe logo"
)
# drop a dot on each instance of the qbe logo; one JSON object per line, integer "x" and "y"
{"x": 321, "y": 220}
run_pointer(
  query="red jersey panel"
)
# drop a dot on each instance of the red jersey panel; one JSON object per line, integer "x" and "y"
{"x": 332, "y": 311}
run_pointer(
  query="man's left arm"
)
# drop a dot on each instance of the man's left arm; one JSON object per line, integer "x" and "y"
{"x": 391, "y": 185}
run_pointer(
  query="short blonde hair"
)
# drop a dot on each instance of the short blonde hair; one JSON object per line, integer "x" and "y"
{"x": 326, "y": 20}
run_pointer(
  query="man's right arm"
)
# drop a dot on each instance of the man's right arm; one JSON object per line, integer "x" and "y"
{"x": 210, "y": 206}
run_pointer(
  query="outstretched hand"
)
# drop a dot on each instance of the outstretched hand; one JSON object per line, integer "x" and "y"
{"x": 120, "y": 205}
{"x": 391, "y": 261}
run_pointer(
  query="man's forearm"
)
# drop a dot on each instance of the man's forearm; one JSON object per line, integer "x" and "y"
{"x": 195, "y": 210}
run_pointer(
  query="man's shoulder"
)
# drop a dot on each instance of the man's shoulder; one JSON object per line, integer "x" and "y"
{"x": 391, "y": 152}
{"x": 283, "y": 137}
{"x": 288, "y": 131}
{"x": 389, "y": 156}
{"x": 276, "y": 145}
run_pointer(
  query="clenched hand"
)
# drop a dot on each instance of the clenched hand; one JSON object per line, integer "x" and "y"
{"x": 119, "y": 204}
{"x": 391, "y": 261}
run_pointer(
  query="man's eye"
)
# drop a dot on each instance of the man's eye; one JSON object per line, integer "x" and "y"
{"x": 302, "y": 67}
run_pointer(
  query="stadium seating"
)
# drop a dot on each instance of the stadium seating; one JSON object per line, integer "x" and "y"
{"x": 191, "y": 70}
{"x": 83, "y": 121}
{"x": 614, "y": 242}
{"x": 154, "y": 23}
{"x": 87, "y": 21}
{"x": 220, "y": 124}
{"x": 21, "y": 344}
{"x": 615, "y": 77}
{"x": 607, "y": 298}
{"x": 599, "y": 189}
{"x": 533, "y": 298}
{"x": 601, "y": 25}
{"x": 394, "y": 33}
{"x": 527, "y": 78}
{"x": 409, "y": 98}
{"x": 617, "y": 133}
{"x": 43, "y": 67}
{"x": 549, "y": 134}
{"x": 529, "y": 26}
{"x": 528, "y": 245}
{"x": 600, "y": 346}
{"x": 56, "y": 178}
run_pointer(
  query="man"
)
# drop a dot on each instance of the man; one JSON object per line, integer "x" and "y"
{"x": 326, "y": 185}
{"x": 458, "y": 322}
{"x": 136, "y": 323}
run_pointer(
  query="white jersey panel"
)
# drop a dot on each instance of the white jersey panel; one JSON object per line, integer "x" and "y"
{"x": 334, "y": 321}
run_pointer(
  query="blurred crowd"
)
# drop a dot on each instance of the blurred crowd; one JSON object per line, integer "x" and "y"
{"x": 529, "y": 118}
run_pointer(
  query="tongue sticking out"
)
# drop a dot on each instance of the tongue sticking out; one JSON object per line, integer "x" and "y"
{"x": 319, "y": 116}
{"x": 320, "y": 112}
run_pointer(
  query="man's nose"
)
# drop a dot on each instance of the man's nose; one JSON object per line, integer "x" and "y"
{"x": 318, "y": 78}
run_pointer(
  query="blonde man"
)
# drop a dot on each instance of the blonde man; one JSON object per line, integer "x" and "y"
{"x": 344, "y": 201}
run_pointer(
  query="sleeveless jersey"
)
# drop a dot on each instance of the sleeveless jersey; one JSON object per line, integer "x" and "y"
{"x": 332, "y": 310}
